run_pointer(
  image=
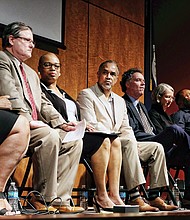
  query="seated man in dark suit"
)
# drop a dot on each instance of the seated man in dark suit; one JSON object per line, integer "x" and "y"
{"x": 172, "y": 137}
{"x": 182, "y": 116}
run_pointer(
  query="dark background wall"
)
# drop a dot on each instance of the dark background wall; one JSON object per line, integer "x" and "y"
{"x": 172, "y": 39}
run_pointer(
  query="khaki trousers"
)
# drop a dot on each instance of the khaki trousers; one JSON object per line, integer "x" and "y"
{"x": 151, "y": 152}
{"x": 55, "y": 164}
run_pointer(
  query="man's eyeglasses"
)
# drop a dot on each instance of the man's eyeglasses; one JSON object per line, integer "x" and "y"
{"x": 27, "y": 40}
{"x": 48, "y": 65}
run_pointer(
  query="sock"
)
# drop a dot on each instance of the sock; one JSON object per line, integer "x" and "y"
{"x": 134, "y": 193}
{"x": 153, "y": 194}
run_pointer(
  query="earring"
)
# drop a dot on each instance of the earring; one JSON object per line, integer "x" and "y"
{"x": 158, "y": 100}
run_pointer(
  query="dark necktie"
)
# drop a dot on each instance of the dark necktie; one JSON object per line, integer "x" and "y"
{"x": 145, "y": 122}
{"x": 34, "y": 112}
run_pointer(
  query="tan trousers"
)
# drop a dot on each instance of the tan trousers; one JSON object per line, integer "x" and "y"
{"x": 55, "y": 164}
{"x": 152, "y": 152}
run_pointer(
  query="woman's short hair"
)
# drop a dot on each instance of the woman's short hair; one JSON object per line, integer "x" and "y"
{"x": 159, "y": 91}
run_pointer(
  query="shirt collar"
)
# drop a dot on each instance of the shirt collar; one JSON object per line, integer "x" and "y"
{"x": 17, "y": 61}
{"x": 134, "y": 101}
{"x": 51, "y": 89}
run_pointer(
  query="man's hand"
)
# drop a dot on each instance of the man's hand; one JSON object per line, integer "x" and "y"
{"x": 5, "y": 103}
{"x": 70, "y": 126}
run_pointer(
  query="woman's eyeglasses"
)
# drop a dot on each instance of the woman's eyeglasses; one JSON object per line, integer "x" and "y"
{"x": 48, "y": 65}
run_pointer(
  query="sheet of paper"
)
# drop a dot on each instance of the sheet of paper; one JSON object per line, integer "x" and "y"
{"x": 104, "y": 133}
{"x": 77, "y": 134}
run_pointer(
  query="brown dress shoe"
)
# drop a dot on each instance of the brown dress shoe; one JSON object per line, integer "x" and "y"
{"x": 68, "y": 209}
{"x": 143, "y": 206}
{"x": 38, "y": 205}
{"x": 159, "y": 203}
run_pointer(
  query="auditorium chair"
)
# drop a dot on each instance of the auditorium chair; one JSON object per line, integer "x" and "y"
{"x": 92, "y": 187}
{"x": 21, "y": 176}
{"x": 172, "y": 180}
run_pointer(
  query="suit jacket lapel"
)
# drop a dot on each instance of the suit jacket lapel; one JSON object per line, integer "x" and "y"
{"x": 25, "y": 93}
{"x": 104, "y": 101}
{"x": 116, "y": 113}
{"x": 70, "y": 98}
{"x": 132, "y": 108}
{"x": 135, "y": 112}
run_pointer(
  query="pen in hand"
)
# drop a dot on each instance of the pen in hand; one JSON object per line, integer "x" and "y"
{"x": 13, "y": 98}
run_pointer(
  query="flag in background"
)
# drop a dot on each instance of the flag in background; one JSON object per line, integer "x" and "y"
{"x": 154, "y": 78}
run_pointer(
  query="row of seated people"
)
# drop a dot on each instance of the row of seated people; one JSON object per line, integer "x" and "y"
{"x": 55, "y": 163}
{"x": 156, "y": 125}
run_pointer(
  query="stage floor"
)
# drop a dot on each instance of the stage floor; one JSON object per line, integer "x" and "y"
{"x": 90, "y": 214}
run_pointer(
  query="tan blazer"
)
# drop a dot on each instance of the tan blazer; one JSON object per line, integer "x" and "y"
{"x": 95, "y": 108}
{"x": 11, "y": 83}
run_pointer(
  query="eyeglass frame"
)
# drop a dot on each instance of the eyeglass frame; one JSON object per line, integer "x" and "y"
{"x": 27, "y": 40}
{"x": 51, "y": 64}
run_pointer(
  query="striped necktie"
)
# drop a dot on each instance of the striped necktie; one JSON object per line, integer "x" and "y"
{"x": 31, "y": 98}
{"x": 147, "y": 127}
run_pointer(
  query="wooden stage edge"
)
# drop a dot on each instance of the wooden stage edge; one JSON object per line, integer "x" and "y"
{"x": 173, "y": 215}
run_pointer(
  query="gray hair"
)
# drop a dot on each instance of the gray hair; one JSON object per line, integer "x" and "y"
{"x": 159, "y": 91}
{"x": 13, "y": 29}
{"x": 102, "y": 65}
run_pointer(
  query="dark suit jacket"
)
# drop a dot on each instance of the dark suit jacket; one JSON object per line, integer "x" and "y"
{"x": 182, "y": 118}
{"x": 135, "y": 121}
{"x": 159, "y": 118}
{"x": 175, "y": 141}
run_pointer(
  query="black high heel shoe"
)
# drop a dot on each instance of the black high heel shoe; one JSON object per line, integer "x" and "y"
{"x": 4, "y": 210}
{"x": 97, "y": 206}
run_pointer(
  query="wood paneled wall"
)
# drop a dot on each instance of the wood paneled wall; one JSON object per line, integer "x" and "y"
{"x": 95, "y": 31}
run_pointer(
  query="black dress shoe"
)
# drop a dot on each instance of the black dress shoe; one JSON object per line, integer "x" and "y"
{"x": 98, "y": 207}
